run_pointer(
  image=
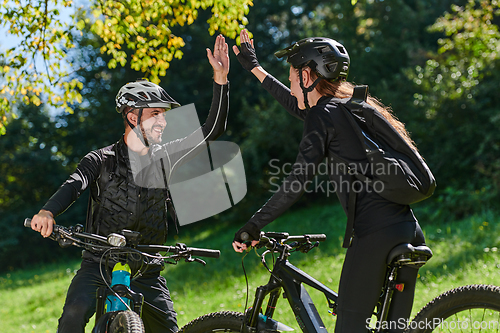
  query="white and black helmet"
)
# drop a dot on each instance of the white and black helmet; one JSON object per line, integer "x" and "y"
{"x": 143, "y": 94}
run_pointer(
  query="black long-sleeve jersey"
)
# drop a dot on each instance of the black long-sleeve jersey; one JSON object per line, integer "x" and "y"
{"x": 327, "y": 133}
{"x": 174, "y": 153}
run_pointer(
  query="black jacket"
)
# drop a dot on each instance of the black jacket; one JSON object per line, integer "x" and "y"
{"x": 327, "y": 133}
{"x": 122, "y": 199}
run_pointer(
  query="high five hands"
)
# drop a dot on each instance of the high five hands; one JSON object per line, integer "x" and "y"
{"x": 247, "y": 56}
{"x": 219, "y": 60}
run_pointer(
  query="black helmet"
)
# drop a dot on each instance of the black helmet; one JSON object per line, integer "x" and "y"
{"x": 327, "y": 57}
{"x": 143, "y": 94}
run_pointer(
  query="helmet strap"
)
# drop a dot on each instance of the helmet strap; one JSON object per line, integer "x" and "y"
{"x": 307, "y": 90}
{"x": 139, "y": 125}
{"x": 138, "y": 129}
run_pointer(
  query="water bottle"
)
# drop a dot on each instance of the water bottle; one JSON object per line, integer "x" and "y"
{"x": 120, "y": 275}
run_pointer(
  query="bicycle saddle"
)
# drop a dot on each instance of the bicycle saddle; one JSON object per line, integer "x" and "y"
{"x": 406, "y": 254}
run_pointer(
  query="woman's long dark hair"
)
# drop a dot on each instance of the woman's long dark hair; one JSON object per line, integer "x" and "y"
{"x": 344, "y": 89}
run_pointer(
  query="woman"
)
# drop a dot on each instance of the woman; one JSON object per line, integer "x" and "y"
{"x": 319, "y": 67}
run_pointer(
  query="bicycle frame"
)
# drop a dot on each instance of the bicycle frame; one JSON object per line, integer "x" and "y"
{"x": 289, "y": 278}
{"x": 117, "y": 297}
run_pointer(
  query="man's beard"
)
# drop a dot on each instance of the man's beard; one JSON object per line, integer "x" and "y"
{"x": 152, "y": 136}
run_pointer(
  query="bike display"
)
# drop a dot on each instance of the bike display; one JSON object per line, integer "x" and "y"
{"x": 118, "y": 308}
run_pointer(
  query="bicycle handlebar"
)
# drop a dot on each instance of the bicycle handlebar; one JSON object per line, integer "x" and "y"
{"x": 285, "y": 236}
{"x": 178, "y": 249}
{"x": 208, "y": 253}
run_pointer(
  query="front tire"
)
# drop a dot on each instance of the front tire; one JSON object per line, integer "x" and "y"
{"x": 126, "y": 322}
{"x": 225, "y": 321}
{"x": 473, "y": 308}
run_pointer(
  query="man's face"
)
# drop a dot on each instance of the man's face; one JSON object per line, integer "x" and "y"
{"x": 153, "y": 123}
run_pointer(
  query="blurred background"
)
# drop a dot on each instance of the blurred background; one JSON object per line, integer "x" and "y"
{"x": 435, "y": 62}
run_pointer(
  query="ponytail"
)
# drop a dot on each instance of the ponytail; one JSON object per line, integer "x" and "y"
{"x": 344, "y": 89}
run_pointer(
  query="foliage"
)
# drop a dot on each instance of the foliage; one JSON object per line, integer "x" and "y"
{"x": 31, "y": 168}
{"x": 37, "y": 71}
{"x": 386, "y": 40}
{"x": 466, "y": 56}
{"x": 457, "y": 88}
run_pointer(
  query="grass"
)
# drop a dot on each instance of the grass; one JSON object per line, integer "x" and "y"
{"x": 465, "y": 252}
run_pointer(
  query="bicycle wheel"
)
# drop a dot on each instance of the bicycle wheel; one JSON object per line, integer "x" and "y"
{"x": 473, "y": 308}
{"x": 126, "y": 322}
{"x": 225, "y": 321}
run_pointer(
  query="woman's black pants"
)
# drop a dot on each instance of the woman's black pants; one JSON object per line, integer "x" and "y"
{"x": 363, "y": 275}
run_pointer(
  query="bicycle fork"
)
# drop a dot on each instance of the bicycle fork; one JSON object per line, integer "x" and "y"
{"x": 255, "y": 321}
{"x": 117, "y": 298}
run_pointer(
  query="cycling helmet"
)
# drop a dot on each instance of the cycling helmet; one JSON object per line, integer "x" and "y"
{"x": 327, "y": 57}
{"x": 143, "y": 94}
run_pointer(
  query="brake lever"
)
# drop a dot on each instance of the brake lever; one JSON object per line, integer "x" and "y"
{"x": 62, "y": 237}
{"x": 199, "y": 260}
{"x": 263, "y": 241}
{"x": 308, "y": 246}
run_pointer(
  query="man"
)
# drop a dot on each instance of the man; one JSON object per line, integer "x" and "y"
{"x": 126, "y": 193}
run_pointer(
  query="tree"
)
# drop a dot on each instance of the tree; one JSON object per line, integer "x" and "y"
{"x": 35, "y": 71}
{"x": 457, "y": 88}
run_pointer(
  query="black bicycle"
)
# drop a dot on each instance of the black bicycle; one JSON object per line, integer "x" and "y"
{"x": 474, "y": 308}
{"x": 290, "y": 279}
{"x": 118, "y": 308}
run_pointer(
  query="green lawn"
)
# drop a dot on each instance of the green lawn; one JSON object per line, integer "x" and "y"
{"x": 465, "y": 252}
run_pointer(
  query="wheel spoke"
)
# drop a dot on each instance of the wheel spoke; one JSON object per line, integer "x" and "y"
{"x": 473, "y": 308}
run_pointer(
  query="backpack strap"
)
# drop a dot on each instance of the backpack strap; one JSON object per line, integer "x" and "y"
{"x": 359, "y": 95}
{"x": 351, "y": 211}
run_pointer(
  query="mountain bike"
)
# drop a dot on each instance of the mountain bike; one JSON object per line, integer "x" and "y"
{"x": 468, "y": 304}
{"x": 290, "y": 279}
{"x": 118, "y": 308}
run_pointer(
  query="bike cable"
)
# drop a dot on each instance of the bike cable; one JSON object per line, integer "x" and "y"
{"x": 246, "y": 278}
{"x": 106, "y": 282}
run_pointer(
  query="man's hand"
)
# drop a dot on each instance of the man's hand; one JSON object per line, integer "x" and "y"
{"x": 43, "y": 223}
{"x": 219, "y": 60}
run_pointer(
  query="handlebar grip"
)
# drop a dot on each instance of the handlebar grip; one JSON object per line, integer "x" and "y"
{"x": 27, "y": 222}
{"x": 317, "y": 237}
{"x": 205, "y": 253}
{"x": 312, "y": 238}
